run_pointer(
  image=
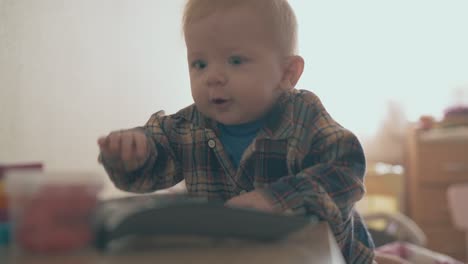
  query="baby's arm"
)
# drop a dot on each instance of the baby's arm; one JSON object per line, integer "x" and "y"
{"x": 140, "y": 159}
{"x": 328, "y": 186}
{"x": 331, "y": 179}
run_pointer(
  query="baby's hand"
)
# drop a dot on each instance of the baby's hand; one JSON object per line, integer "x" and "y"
{"x": 254, "y": 200}
{"x": 127, "y": 147}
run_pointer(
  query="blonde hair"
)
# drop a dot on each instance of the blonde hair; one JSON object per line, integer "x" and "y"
{"x": 279, "y": 13}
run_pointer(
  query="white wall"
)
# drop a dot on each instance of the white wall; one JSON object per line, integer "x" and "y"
{"x": 72, "y": 70}
{"x": 362, "y": 53}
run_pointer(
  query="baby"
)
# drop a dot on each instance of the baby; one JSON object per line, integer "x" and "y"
{"x": 250, "y": 139}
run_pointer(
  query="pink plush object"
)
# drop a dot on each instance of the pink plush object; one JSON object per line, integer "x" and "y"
{"x": 456, "y": 111}
{"x": 457, "y": 199}
{"x": 415, "y": 254}
{"x": 57, "y": 219}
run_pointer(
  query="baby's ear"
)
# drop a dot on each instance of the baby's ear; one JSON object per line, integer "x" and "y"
{"x": 292, "y": 71}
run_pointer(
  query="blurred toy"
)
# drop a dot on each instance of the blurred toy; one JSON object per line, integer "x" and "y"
{"x": 51, "y": 212}
{"x": 426, "y": 122}
{"x": 5, "y": 225}
{"x": 57, "y": 219}
{"x": 455, "y": 116}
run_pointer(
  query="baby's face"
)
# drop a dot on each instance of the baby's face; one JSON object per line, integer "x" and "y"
{"x": 235, "y": 67}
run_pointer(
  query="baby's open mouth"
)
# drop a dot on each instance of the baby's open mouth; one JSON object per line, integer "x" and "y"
{"x": 219, "y": 101}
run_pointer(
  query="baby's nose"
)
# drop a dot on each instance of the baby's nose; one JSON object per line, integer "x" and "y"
{"x": 216, "y": 77}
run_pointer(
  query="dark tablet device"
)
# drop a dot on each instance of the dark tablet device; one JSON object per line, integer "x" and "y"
{"x": 180, "y": 215}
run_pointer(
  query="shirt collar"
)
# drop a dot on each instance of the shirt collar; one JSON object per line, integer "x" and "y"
{"x": 279, "y": 122}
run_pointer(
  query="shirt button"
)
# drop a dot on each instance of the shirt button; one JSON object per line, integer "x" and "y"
{"x": 211, "y": 143}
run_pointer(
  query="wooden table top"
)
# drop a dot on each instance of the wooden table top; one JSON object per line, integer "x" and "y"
{"x": 313, "y": 244}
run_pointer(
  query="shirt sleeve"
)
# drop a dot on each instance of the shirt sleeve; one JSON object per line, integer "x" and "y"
{"x": 328, "y": 186}
{"x": 160, "y": 170}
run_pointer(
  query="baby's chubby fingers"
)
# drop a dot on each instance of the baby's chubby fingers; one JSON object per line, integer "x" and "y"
{"x": 141, "y": 144}
{"x": 254, "y": 200}
{"x": 110, "y": 145}
{"x": 102, "y": 143}
{"x": 114, "y": 139}
{"x": 127, "y": 146}
{"x": 134, "y": 146}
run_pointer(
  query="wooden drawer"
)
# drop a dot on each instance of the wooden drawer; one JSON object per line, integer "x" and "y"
{"x": 445, "y": 240}
{"x": 459, "y": 255}
{"x": 443, "y": 162}
{"x": 431, "y": 207}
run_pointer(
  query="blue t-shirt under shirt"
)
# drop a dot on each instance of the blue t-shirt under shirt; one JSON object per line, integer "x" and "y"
{"x": 236, "y": 138}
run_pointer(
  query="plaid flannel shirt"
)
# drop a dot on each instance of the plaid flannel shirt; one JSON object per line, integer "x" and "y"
{"x": 302, "y": 159}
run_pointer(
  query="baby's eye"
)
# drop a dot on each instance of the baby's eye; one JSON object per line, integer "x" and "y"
{"x": 199, "y": 64}
{"x": 236, "y": 60}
